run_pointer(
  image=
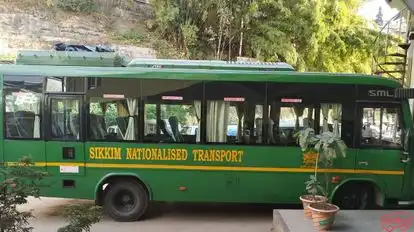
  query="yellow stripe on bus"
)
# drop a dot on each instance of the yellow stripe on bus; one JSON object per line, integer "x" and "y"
{"x": 215, "y": 168}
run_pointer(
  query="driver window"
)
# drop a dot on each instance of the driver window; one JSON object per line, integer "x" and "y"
{"x": 381, "y": 127}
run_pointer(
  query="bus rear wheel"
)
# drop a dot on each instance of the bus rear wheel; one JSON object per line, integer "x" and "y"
{"x": 125, "y": 201}
{"x": 355, "y": 196}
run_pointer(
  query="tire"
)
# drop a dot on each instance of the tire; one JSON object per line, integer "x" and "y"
{"x": 355, "y": 196}
{"x": 126, "y": 201}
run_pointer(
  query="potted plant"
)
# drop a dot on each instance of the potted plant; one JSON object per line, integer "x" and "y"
{"x": 307, "y": 140}
{"x": 328, "y": 147}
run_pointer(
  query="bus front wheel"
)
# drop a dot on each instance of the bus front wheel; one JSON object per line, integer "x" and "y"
{"x": 125, "y": 201}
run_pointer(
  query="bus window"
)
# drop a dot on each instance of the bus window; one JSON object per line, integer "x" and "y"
{"x": 65, "y": 119}
{"x": 22, "y": 100}
{"x": 381, "y": 126}
{"x": 65, "y": 84}
{"x": 292, "y": 119}
{"x": 170, "y": 107}
{"x": 331, "y": 118}
{"x": 104, "y": 123}
{"x": 113, "y": 109}
{"x": 234, "y": 112}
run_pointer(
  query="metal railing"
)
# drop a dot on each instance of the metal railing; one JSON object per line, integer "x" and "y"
{"x": 389, "y": 55}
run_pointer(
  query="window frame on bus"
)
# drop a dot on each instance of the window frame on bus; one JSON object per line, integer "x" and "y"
{"x": 41, "y": 107}
{"x": 47, "y": 99}
{"x": 187, "y": 95}
{"x": 381, "y": 105}
{"x": 258, "y": 97}
{"x": 95, "y": 82}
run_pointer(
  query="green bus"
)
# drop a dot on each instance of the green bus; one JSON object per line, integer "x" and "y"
{"x": 126, "y": 133}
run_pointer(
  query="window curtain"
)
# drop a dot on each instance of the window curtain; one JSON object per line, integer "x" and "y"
{"x": 274, "y": 122}
{"x": 325, "y": 112}
{"x": 259, "y": 127}
{"x": 197, "y": 110}
{"x": 36, "y": 110}
{"x": 336, "y": 117}
{"x": 74, "y": 117}
{"x": 240, "y": 113}
{"x": 103, "y": 107}
{"x": 132, "y": 113}
{"x": 308, "y": 122}
{"x": 248, "y": 125}
{"x": 299, "y": 110}
{"x": 217, "y": 121}
{"x": 122, "y": 113}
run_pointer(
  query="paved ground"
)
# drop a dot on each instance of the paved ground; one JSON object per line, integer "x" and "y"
{"x": 348, "y": 221}
{"x": 171, "y": 218}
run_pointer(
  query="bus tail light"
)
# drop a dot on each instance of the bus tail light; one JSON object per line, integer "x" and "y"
{"x": 182, "y": 188}
{"x": 336, "y": 179}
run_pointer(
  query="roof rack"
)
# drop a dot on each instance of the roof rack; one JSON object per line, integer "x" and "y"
{"x": 210, "y": 64}
{"x": 113, "y": 59}
{"x": 70, "y": 58}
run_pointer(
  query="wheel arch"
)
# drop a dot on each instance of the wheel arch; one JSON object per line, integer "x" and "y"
{"x": 377, "y": 188}
{"x": 108, "y": 178}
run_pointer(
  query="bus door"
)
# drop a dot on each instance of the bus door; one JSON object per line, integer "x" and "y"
{"x": 381, "y": 144}
{"x": 64, "y": 147}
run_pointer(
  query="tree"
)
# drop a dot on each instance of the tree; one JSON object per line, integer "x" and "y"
{"x": 311, "y": 35}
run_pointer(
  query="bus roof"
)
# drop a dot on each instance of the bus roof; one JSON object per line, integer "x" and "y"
{"x": 211, "y": 64}
{"x": 196, "y": 74}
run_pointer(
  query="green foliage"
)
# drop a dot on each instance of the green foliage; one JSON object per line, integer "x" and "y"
{"x": 18, "y": 182}
{"x": 7, "y": 57}
{"x": 326, "y": 144}
{"x": 312, "y": 35}
{"x": 306, "y": 139}
{"x": 83, "y": 6}
{"x": 328, "y": 147}
{"x": 81, "y": 218}
{"x": 314, "y": 187}
{"x": 21, "y": 180}
{"x": 135, "y": 37}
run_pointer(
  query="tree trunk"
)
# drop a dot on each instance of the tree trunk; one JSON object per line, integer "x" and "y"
{"x": 241, "y": 37}
{"x": 219, "y": 45}
{"x": 230, "y": 40}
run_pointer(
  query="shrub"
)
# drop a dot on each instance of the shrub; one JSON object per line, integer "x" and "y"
{"x": 21, "y": 180}
{"x": 82, "y": 6}
{"x": 17, "y": 183}
{"x": 81, "y": 218}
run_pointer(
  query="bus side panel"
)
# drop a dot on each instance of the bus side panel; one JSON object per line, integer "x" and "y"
{"x": 14, "y": 150}
{"x": 1, "y": 119}
{"x": 260, "y": 174}
{"x": 289, "y": 169}
{"x": 170, "y": 170}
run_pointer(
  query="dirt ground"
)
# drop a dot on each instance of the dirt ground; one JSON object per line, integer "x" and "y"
{"x": 166, "y": 217}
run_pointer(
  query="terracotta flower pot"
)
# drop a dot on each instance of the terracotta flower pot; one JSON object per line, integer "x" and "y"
{"x": 307, "y": 200}
{"x": 323, "y": 215}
